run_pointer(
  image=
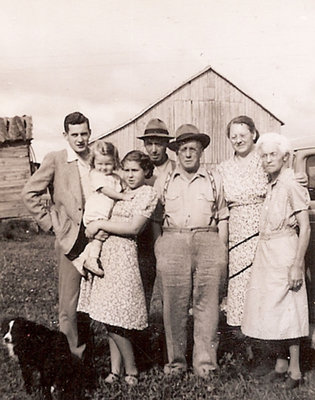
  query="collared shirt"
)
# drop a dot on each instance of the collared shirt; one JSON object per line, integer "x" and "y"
{"x": 161, "y": 171}
{"x": 190, "y": 202}
{"x": 285, "y": 197}
{"x": 84, "y": 171}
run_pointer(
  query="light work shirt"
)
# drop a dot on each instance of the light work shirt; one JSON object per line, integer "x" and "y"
{"x": 161, "y": 171}
{"x": 189, "y": 202}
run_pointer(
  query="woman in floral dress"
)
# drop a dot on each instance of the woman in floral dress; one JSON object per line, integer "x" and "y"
{"x": 245, "y": 184}
{"x": 118, "y": 299}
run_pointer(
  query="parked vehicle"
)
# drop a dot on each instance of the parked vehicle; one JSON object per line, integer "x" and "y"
{"x": 303, "y": 160}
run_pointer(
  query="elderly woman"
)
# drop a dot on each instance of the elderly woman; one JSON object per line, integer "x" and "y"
{"x": 245, "y": 184}
{"x": 276, "y": 301}
{"x": 118, "y": 299}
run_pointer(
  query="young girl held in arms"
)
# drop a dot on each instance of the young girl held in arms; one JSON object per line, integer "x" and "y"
{"x": 276, "y": 302}
{"x": 106, "y": 188}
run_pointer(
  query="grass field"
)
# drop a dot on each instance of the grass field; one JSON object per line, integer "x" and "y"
{"x": 28, "y": 288}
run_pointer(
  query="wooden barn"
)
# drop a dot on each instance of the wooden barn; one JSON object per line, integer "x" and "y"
{"x": 207, "y": 100}
{"x": 15, "y": 164}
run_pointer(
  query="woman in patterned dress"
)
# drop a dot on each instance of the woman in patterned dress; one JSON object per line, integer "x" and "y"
{"x": 245, "y": 184}
{"x": 276, "y": 301}
{"x": 118, "y": 299}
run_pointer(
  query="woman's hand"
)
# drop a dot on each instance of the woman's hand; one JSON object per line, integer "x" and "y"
{"x": 91, "y": 229}
{"x": 296, "y": 277}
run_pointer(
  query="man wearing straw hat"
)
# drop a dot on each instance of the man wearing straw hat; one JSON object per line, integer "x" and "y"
{"x": 191, "y": 253}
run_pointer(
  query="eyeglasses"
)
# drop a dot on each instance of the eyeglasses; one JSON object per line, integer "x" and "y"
{"x": 242, "y": 136}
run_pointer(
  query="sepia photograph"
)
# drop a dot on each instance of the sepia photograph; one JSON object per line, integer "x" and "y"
{"x": 157, "y": 200}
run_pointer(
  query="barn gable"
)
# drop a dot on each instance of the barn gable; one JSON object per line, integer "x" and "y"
{"x": 15, "y": 140}
{"x": 207, "y": 100}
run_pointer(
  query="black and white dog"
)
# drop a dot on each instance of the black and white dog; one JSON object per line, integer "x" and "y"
{"x": 39, "y": 349}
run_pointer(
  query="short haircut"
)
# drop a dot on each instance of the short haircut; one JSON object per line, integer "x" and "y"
{"x": 243, "y": 119}
{"x": 104, "y": 149}
{"x": 271, "y": 137}
{"x": 142, "y": 159}
{"x": 75, "y": 118}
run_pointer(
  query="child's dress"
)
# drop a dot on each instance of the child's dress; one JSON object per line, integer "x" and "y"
{"x": 272, "y": 311}
{"x": 98, "y": 205}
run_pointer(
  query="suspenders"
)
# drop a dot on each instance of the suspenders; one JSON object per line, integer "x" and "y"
{"x": 213, "y": 186}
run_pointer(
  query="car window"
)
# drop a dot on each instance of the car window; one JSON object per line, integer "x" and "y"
{"x": 310, "y": 170}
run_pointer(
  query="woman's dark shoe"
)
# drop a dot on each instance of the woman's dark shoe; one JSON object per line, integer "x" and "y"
{"x": 291, "y": 383}
{"x": 275, "y": 376}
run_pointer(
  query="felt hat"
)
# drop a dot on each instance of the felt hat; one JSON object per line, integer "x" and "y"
{"x": 156, "y": 128}
{"x": 189, "y": 132}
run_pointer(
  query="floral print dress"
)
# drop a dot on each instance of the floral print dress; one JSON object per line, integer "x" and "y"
{"x": 118, "y": 298}
{"x": 244, "y": 190}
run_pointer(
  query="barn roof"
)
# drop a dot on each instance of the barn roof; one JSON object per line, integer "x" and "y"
{"x": 207, "y": 69}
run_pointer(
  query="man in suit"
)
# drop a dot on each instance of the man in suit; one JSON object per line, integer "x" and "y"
{"x": 65, "y": 174}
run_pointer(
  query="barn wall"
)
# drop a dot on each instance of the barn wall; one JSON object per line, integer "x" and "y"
{"x": 15, "y": 171}
{"x": 209, "y": 102}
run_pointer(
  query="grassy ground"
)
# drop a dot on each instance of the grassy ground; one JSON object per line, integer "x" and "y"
{"x": 28, "y": 288}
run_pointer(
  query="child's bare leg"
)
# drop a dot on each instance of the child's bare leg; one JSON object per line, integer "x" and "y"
{"x": 92, "y": 263}
{"x": 81, "y": 259}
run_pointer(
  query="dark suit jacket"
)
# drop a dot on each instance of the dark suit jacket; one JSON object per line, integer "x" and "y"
{"x": 65, "y": 215}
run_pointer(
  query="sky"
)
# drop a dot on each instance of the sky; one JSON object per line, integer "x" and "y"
{"x": 112, "y": 58}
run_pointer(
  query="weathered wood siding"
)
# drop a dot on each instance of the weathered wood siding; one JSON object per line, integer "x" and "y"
{"x": 208, "y": 101}
{"x": 15, "y": 171}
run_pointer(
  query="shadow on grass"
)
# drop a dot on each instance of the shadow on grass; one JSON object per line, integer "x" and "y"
{"x": 28, "y": 287}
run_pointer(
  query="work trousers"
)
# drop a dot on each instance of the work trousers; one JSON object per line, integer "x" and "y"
{"x": 191, "y": 264}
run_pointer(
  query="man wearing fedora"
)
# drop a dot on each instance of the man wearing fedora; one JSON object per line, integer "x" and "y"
{"x": 191, "y": 253}
{"x": 156, "y": 138}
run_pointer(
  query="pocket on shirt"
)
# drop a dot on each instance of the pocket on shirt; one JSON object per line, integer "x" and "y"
{"x": 205, "y": 203}
{"x": 172, "y": 203}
